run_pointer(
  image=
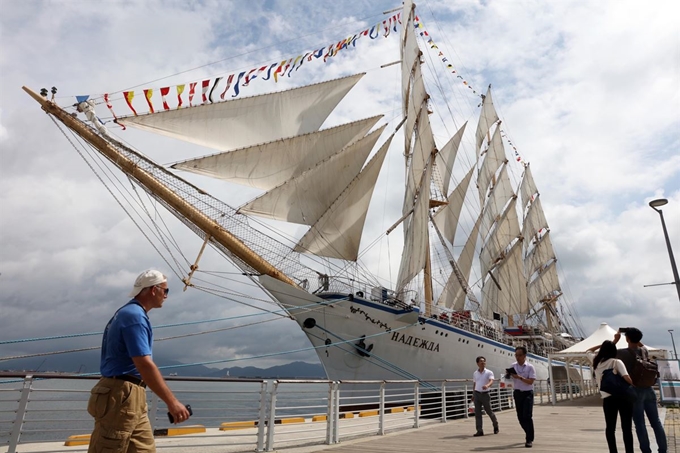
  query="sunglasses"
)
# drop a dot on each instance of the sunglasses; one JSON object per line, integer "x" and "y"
{"x": 167, "y": 290}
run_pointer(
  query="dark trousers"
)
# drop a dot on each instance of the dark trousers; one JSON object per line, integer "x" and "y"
{"x": 646, "y": 404}
{"x": 524, "y": 405}
{"x": 612, "y": 407}
{"x": 483, "y": 400}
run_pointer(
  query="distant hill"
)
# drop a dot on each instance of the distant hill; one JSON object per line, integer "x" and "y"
{"x": 88, "y": 362}
{"x": 289, "y": 370}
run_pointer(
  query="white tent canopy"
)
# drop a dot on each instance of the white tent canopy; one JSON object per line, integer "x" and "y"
{"x": 576, "y": 354}
{"x": 604, "y": 332}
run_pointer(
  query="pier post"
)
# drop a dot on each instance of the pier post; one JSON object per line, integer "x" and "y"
{"x": 416, "y": 404}
{"x": 552, "y": 380}
{"x": 271, "y": 422}
{"x": 21, "y": 413}
{"x": 381, "y": 410}
{"x": 443, "y": 401}
{"x": 262, "y": 416}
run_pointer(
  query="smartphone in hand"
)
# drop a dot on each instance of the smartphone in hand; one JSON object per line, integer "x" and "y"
{"x": 172, "y": 419}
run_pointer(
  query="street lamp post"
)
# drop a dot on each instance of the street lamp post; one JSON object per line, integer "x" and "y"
{"x": 654, "y": 204}
{"x": 670, "y": 331}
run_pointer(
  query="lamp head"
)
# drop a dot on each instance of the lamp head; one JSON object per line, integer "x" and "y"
{"x": 658, "y": 203}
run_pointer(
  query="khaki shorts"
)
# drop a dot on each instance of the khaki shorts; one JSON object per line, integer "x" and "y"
{"x": 121, "y": 421}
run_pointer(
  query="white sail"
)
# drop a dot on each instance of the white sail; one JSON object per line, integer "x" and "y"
{"x": 534, "y": 220}
{"x": 410, "y": 70}
{"x": 337, "y": 234}
{"x": 487, "y": 118}
{"x": 511, "y": 298}
{"x": 539, "y": 255}
{"x": 494, "y": 158}
{"x": 546, "y": 286}
{"x": 416, "y": 237}
{"x": 528, "y": 187}
{"x": 423, "y": 145}
{"x": 506, "y": 230}
{"x": 270, "y": 164}
{"x": 446, "y": 157}
{"x": 446, "y": 218}
{"x": 453, "y": 295}
{"x": 248, "y": 121}
{"x": 499, "y": 196}
{"x": 304, "y": 198}
{"x": 414, "y": 104}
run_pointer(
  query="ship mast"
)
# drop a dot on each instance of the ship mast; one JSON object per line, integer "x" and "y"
{"x": 216, "y": 232}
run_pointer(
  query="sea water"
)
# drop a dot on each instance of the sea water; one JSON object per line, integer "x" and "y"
{"x": 57, "y": 408}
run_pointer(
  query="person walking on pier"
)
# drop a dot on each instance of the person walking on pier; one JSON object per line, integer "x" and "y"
{"x": 523, "y": 382}
{"x": 482, "y": 381}
{"x": 646, "y": 397}
{"x": 118, "y": 400}
{"x": 613, "y": 405}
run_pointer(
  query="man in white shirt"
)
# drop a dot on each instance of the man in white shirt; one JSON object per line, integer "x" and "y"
{"x": 523, "y": 382}
{"x": 483, "y": 379}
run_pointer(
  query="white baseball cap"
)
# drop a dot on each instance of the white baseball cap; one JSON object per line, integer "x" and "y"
{"x": 147, "y": 279}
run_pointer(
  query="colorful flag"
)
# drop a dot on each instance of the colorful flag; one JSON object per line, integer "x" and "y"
{"x": 229, "y": 80}
{"x": 108, "y": 104}
{"x": 375, "y": 28}
{"x": 128, "y": 95}
{"x": 298, "y": 58}
{"x": 279, "y": 70}
{"x": 148, "y": 93}
{"x": 329, "y": 53}
{"x": 269, "y": 71}
{"x": 236, "y": 89}
{"x": 247, "y": 81}
{"x": 217, "y": 81}
{"x": 164, "y": 92}
{"x": 205, "y": 85}
{"x": 192, "y": 91}
{"x": 307, "y": 56}
{"x": 180, "y": 90}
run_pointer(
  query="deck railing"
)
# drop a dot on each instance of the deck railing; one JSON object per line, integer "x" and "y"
{"x": 247, "y": 414}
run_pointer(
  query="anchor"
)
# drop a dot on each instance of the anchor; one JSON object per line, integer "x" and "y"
{"x": 362, "y": 349}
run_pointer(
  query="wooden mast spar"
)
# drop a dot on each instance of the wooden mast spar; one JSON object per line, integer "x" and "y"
{"x": 215, "y": 231}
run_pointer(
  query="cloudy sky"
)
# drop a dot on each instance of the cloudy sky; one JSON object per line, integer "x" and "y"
{"x": 589, "y": 92}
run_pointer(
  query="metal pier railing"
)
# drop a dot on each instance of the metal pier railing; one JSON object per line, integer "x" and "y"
{"x": 46, "y": 410}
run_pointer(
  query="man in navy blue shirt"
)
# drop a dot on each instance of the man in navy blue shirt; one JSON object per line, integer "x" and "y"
{"x": 118, "y": 401}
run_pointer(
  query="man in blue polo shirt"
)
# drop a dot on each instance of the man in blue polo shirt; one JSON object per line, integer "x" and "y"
{"x": 118, "y": 401}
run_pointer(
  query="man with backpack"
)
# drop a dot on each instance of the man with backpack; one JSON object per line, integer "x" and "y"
{"x": 643, "y": 372}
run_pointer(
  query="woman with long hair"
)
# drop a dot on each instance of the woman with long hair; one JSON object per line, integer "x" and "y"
{"x": 613, "y": 405}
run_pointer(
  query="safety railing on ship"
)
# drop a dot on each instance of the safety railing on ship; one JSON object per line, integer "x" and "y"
{"x": 49, "y": 410}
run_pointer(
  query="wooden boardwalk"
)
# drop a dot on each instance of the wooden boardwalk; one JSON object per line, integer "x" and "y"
{"x": 570, "y": 427}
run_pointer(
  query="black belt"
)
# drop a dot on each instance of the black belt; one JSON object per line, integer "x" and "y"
{"x": 131, "y": 379}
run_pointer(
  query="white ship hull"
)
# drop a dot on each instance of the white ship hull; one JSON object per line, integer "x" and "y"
{"x": 430, "y": 350}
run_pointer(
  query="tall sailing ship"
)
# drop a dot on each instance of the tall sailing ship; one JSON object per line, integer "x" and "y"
{"x": 439, "y": 314}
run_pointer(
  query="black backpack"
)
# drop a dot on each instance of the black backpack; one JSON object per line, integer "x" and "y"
{"x": 645, "y": 371}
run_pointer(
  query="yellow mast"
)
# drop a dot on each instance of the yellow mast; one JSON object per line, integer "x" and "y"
{"x": 202, "y": 221}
